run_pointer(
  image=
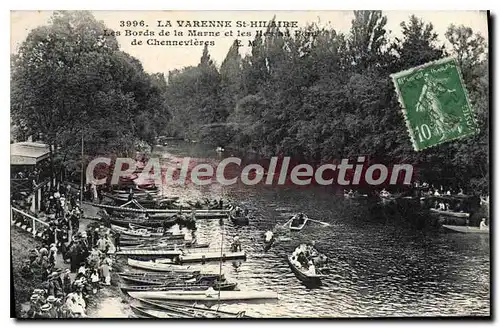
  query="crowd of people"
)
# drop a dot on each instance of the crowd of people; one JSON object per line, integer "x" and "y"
{"x": 90, "y": 255}
{"x": 59, "y": 295}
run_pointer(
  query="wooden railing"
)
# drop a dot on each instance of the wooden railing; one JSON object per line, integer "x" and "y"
{"x": 28, "y": 222}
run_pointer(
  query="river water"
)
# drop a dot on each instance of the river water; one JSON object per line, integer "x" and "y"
{"x": 381, "y": 266}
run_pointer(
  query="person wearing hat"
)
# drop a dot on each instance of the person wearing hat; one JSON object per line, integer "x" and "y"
{"x": 33, "y": 255}
{"x": 66, "y": 281}
{"x": 45, "y": 311}
{"x": 54, "y": 308}
{"x": 75, "y": 219}
{"x": 53, "y": 254}
{"x": 26, "y": 270}
{"x": 34, "y": 309}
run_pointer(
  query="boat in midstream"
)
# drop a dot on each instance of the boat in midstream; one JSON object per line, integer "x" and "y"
{"x": 298, "y": 221}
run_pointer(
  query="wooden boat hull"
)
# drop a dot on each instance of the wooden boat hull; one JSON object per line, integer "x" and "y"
{"x": 449, "y": 213}
{"x": 206, "y": 296}
{"x": 189, "y": 307}
{"x": 179, "y": 287}
{"x": 303, "y": 276}
{"x": 155, "y": 314}
{"x": 192, "y": 257}
{"x": 466, "y": 229}
{"x": 144, "y": 222}
{"x": 152, "y": 266}
{"x": 239, "y": 220}
{"x": 297, "y": 227}
{"x": 153, "y": 211}
{"x": 149, "y": 253}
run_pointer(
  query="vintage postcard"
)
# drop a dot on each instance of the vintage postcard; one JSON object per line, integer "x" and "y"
{"x": 250, "y": 164}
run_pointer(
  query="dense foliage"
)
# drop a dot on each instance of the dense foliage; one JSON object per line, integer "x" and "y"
{"x": 69, "y": 80}
{"x": 323, "y": 95}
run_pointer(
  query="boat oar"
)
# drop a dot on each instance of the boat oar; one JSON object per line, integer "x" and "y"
{"x": 287, "y": 222}
{"x": 320, "y": 222}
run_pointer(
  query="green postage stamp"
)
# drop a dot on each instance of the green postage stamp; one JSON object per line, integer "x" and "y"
{"x": 435, "y": 103}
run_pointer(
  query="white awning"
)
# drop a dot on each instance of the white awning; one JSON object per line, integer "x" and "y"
{"x": 28, "y": 153}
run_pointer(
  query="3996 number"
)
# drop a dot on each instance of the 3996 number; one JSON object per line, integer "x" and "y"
{"x": 132, "y": 23}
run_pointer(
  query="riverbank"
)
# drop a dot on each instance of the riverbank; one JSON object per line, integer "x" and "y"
{"x": 107, "y": 303}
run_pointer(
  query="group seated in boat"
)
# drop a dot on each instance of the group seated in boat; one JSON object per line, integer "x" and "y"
{"x": 353, "y": 194}
{"x": 384, "y": 193}
{"x": 445, "y": 206}
{"x": 308, "y": 259}
{"x": 209, "y": 204}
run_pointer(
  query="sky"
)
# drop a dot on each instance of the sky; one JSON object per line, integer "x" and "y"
{"x": 161, "y": 58}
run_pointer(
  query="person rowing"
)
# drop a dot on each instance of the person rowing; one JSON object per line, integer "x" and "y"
{"x": 236, "y": 245}
{"x": 269, "y": 236}
{"x": 384, "y": 193}
{"x": 299, "y": 219}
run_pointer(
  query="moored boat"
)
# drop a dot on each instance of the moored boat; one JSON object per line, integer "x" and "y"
{"x": 239, "y": 219}
{"x": 202, "y": 255}
{"x": 147, "y": 265}
{"x": 208, "y": 295}
{"x": 466, "y": 229}
{"x": 189, "y": 307}
{"x": 181, "y": 287}
{"x": 450, "y": 213}
{"x": 156, "y": 314}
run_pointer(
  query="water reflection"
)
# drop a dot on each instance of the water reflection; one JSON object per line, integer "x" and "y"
{"x": 382, "y": 264}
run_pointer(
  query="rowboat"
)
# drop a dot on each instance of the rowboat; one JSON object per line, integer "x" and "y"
{"x": 355, "y": 196}
{"x": 190, "y": 256}
{"x": 239, "y": 220}
{"x": 193, "y": 308}
{"x": 181, "y": 287}
{"x": 169, "y": 276}
{"x": 160, "y": 281}
{"x": 138, "y": 244}
{"x": 450, "y": 213}
{"x": 146, "y": 238}
{"x": 208, "y": 295}
{"x": 149, "y": 253}
{"x": 303, "y": 275}
{"x": 156, "y": 314}
{"x": 144, "y": 222}
{"x": 296, "y": 223}
{"x": 152, "y": 211}
{"x": 466, "y": 229}
{"x": 136, "y": 233}
{"x": 143, "y": 199}
{"x": 152, "y": 266}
